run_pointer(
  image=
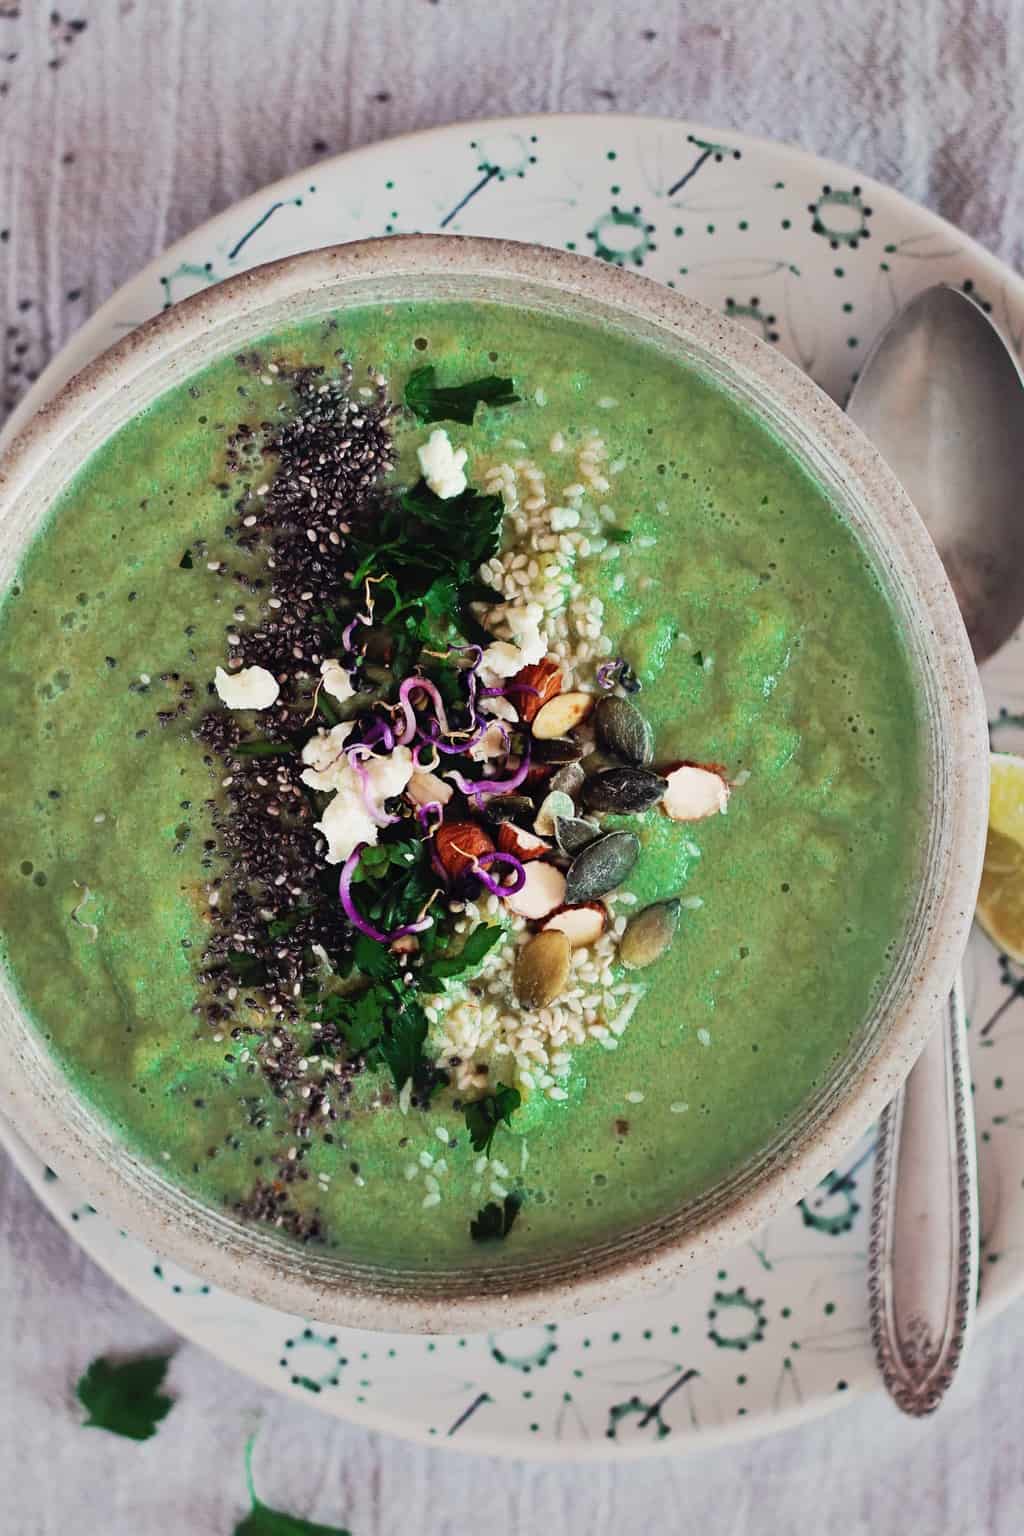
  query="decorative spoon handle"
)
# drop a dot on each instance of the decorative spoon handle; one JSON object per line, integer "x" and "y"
{"x": 923, "y": 1263}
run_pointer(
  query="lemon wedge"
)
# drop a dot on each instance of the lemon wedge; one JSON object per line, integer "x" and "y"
{"x": 1001, "y": 898}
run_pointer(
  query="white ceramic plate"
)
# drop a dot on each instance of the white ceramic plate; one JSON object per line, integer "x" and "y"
{"x": 817, "y": 259}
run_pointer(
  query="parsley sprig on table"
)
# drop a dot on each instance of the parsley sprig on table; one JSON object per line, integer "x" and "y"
{"x": 125, "y": 1398}
{"x": 264, "y": 1521}
{"x": 431, "y": 401}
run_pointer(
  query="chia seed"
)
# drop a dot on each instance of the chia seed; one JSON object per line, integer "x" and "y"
{"x": 331, "y": 455}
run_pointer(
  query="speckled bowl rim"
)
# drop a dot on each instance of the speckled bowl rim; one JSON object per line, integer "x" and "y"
{"x": 34, "y": 1092}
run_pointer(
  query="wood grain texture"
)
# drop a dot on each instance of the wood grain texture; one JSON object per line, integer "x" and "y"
{"x": 161, "y": 112}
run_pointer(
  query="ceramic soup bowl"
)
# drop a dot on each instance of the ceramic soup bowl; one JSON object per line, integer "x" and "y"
{"x": 258, "y": 1262}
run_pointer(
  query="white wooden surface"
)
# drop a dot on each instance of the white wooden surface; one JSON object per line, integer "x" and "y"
{"x": 160, "y": 112}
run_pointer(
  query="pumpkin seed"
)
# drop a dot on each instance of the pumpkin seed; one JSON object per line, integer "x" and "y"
{"x": 623, "y": 789}
{"x": 559, "y": 749}
{"x": 649, "y": 934}
{"x": 601, "y": 866}
{"x": 568, "y": 779}
{"x": 508, "y": 808}
{"x": 573, "y": 833}
{"x": 554, "y": 804}
{"x": 542, "y": 969}
{"x": 624, "y": 730}
{"x": 597, "y": 761}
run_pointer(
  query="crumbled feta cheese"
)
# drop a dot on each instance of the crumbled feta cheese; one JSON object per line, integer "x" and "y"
{"x": 387, "y": 776}
{"x": 326, "y": 761}
{"x": 250, "y": 688}
{"x": 501, "y": 709}
{"x": 336, "y": 680}
{"x": 493, "y": 743}
{"x": 442, "y": 465}
{"x": 346, "y": 823}
{"x": 522, "y": 620}
{"x": 348, "y": 819}
{"x": 524, "y": 624}
{"x": 500, "y": 660}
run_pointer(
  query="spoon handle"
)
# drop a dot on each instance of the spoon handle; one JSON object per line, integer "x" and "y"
{"x": 923, "y": 1263}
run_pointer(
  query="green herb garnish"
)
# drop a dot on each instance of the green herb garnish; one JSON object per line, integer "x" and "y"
{"x": 247, "y": 969}
{"x": 454, "y": 402}
{"x": 473, "y": 518}
{"x": 385, "y": 1023}
{"x": 406, "y": 557}
{"x": 359, "y": 1019}
{"x": 618, "y": 535}
{"x": 326, "y": 706}
{"x": 698, "y": 657}
{"x": 495, "y": 1222}
{"x": 263, "y": 748}
{"x": 401, "y": 1046}
{"x": 483, "y": 1116}
{"x": 472, "y": 954}
{"x": 186, "y": 562}
{"x": 125, "y": 1398}
{"x": 423, "y": 559}
{"x": 284, "y": 925}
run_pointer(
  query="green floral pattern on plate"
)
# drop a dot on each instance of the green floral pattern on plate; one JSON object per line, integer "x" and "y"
{"x": 814, "y": 259}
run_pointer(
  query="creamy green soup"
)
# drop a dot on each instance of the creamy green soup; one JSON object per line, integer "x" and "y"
{"x": 764, "y": 645}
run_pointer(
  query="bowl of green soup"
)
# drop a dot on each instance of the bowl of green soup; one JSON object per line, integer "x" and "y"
{"x": 493, "y": 782}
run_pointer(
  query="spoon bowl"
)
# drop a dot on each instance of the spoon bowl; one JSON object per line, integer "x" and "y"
{"x": 940, "y": 396}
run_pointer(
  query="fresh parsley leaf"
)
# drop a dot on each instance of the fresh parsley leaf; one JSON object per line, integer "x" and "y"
{"x": 263, "y": 748}
{"x": 325, "y": 705}
{"x": 284, "y": 925}
{"x": 483, "y": 1116}
{"x": 455, "y": 402}
{"x": 247, "y": 969}
{"x": 186, "y": 562}
{"x": 407, "y": 893}
{"x": 467, "y": 622}
{"x": 472, "y": 520}
{"x": 125, "y": 1398}
{"x": 424, "y": 556}
{"x": 401, "y": 1046}
{"x": 373, "y": 959}
{"x": 472, "y": 954}
{"x": 618, "y": 535}
{"x": 359, "y": 1018}
{"x": 264, "y": 1521}
{"x": 442, "y": 604}
{"x": 495, "y": 1222}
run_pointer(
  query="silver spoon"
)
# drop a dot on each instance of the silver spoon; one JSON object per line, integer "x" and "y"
{"x": 942, "y": 399}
